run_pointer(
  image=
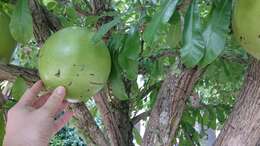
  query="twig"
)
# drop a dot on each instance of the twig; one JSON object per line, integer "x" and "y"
{"x": 141, "y": 116}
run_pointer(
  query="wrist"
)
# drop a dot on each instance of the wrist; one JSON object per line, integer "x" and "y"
{"x": 24, "y": 141}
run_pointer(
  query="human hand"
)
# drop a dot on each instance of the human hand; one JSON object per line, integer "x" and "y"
{"x": 31, "y": 122}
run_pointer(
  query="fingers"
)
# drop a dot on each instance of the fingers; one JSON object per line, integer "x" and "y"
{"x": 62, "y": 121}
{"x": 31, "y": 93}
{"x": 37, "y": 103}
{"x": 63, "y": 106}
{"x": 56, "y": 98}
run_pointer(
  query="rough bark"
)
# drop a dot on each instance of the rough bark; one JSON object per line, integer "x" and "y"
{"x": 43, "y": 22}
{"x": 41, "y": 29}
{"x": 243, "y": 125}
{"x": 10, "y": 72}
{"x": 115, "y": 116}
{"x": 121, "y": 111}
{"x": 87, "y": 125}
{"x": 168, "y": 109}
{"x": 109, "y": 119}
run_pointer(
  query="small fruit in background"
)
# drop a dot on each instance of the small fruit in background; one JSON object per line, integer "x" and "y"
{"x": 246, "y": 25}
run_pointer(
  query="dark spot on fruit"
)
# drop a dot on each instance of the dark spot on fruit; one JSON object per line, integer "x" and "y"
{"x": 58, "y": 73}
{"x": 92, "y": 74}
{"x": 81, "y": 96}
{"x": 70, "y": 83}
{"x": 88, "y": 90}
{"x": 77, "y": 75}
{"x": 95, "y": 83}
{"x": 259, "y": 36}
{"x": 241, "y": 38}
{"x": 82, "y": 68}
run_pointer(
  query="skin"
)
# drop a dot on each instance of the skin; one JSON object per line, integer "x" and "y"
{"x": 31, "y": 121}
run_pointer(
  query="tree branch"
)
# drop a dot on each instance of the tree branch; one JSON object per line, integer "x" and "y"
{"x": 2, "y": 100}
{"x": 109, "y": 118}
{"x": 144, "y": 93}
{"x": 40, "y": 25}
{"x": 163, "y": 53}
{"x": 87, "y": 124}
{"x": 10, "y": 72}
{"x": 141, "y": 116}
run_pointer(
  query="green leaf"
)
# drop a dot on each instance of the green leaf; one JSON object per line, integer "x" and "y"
{"x": 2, "y": 126}
{"x": 50, "y": 4}
{"x": 116, "y": 42}
{"x": 9, "y": 104}
{"x": 19, "y": 88}
{"x": 163, "y": 16}
{"x": 212, "y": 118}
{"x": 137, "y": 136}
{"x": 105, "y": 28}
{"x": 216, "y": 31}
{"x": 193, "y": 49}
{"x": 174, "y": 35}
{"x": 117, "y": 85}
{"x": 128, "y": 58}
{"x": 221, "y": 114}
{"x": 21, "y": 25}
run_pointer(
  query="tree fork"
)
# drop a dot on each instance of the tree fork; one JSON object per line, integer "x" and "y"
{"x": 169, "y": 106}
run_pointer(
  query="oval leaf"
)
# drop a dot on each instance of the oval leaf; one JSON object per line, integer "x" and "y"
{"x": 19, "y": 88}
{"x": 116, "y": 83}
{"x": 163, "y": 16}
{"x": 174, "y": 35}
{"x": 21, "y": 26}
{"x": 216, "y": 31}
{"x": 128, "y": 58}
{"x": 193, "y": 49}
{"x": 105, "y": 28}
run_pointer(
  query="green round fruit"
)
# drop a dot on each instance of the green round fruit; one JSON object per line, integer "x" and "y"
{"x": 246, "y": 25}
{"x": 70, "y": 58}
{"x": 7, "y": 43}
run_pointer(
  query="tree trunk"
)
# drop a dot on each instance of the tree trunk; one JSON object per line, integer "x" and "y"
{"x": 243, "y": 125}
{"x": 115, "y": 116}
{"x": 168, "y": 109}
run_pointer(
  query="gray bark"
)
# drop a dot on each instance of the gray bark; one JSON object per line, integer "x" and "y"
{"x": 168, "y": 109}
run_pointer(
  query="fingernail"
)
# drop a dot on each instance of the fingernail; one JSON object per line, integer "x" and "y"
{"x": 60, "y": 90}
